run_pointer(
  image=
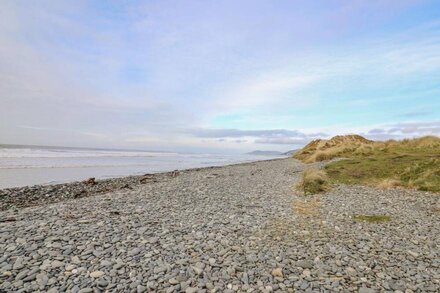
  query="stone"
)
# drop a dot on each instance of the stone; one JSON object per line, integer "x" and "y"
{"x": 18, "y": 264}
{"x": 350, "y": 271}
{"x": 304, "y": 264}
{"x": 173, "y": 281}
{"x": 76, "y": 260}
{"x": 105, "y": 263}
{"x": 21, "y": 275}
{"x": 96, "y": 274}
{"x": 198, "y": 271}
{"x": 159, "y": 269}
{"x": 57, "y": 264}
{"x": 102, "y": 283}
{"x": 134, "y": 251}
{"x": 278, "y": 272}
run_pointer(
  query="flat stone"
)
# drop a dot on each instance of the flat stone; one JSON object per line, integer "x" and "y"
{"x": 18, "y": 264}
{"x": 57, "y": 264}
{"x": 351, "y": 272}
{"x": 75, "y": 259}
{"x": 173, "y": 281}
{"x": 134, "y": 251}
{"x": 21, "y": 275}
{"x": 96, "y": 274}
{"x": 305, "y": 264}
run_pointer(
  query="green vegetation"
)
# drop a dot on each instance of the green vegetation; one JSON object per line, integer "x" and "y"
{"x": 410, "y": 163}
{"x": 313, "y": 181}
{"x": 372, "y": 218}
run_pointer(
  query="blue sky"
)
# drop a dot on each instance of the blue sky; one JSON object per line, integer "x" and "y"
{"x": 222, "y": 76}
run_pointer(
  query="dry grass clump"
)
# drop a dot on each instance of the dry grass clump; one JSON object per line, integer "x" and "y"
{"x": 306, "y": 208}
{"x": 313, "y": 181}
{"x": 389, "y": 184}
{"x": 372, "y": 218}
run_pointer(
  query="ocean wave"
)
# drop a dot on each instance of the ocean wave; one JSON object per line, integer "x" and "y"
{"x": 71, "y": 166}
{"x": 61, "y": 153}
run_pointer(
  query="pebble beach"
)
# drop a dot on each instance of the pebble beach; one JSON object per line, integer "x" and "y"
{"x": 236, "y": 228}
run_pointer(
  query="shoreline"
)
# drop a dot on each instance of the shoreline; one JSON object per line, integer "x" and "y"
{"x": 41, "y": 194}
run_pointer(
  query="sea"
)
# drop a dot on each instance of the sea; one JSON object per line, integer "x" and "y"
{"x": 35, "y": 165}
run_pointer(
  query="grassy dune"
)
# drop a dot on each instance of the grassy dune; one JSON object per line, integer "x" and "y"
{"x": 409, "y": 163}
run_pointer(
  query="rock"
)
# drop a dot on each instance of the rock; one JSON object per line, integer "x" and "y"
{"x": 89, "y": 181}
{"x": 57, "y": 264}
{"x": 304, "y": 264}
{"x": 278, "y": 272}
{"x": 76, "y": 260}
{"x": 102, "y": 283}
{"x": 96, "y": 274}
{"x": 197, "y": 271}
{"x": 42, "y": 280}
{"x": 18, "y": 264}
{"x": 105, "y": 263}
{"x": 350, "y": 271}
{"x": 159, "y": 269}
{"x": 366, "y": 290}
{"x": 173, "y": 281}
{"x": 134, "y": 251}
{"x": 21, "y": 275}
{"x": 152, "y": 240}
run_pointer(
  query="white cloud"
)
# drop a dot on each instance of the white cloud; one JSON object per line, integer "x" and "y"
{"x": 270, "y": 89}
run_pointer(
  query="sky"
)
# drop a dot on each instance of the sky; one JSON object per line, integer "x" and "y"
{"x": 217, "y": 76}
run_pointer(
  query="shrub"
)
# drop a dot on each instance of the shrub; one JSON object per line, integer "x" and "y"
{"x": 313, "y": 181}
